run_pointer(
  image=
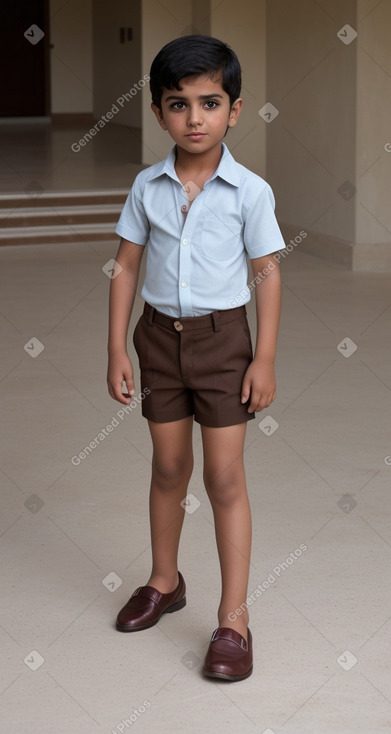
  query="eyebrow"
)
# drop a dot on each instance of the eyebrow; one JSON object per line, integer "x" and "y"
{"x": 202, "y": 96}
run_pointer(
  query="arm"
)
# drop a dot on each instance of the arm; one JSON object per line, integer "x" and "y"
{"x": 259, "y": 380}
{"x": 121, "y": 299}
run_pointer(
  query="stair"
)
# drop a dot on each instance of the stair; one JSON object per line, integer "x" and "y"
{"x": 84, "y": 216}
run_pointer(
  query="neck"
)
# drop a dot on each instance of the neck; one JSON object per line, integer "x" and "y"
{"x": 207, "y": 161}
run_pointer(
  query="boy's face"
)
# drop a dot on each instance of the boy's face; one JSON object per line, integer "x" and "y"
{"x": 198, "y": 116}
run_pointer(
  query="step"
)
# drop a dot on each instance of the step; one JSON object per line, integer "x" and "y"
{"x": 56, "y": 234}
{"x": 58, "y": 215}
{"x": 64, "y": 198}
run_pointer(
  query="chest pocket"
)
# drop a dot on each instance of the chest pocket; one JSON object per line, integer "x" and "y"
{"x": 220, "y": 239}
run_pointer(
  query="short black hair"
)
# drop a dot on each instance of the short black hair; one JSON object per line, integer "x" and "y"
{"x": 191, "y": 56}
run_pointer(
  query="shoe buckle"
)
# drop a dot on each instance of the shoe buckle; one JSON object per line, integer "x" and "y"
{"x": 243, "y": 643}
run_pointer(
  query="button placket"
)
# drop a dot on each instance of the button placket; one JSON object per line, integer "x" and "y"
{"x": 184, "y": 279}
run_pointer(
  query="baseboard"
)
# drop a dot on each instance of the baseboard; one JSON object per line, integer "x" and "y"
{"x": 73, "y": 119}
{"x": 374, "y": 257}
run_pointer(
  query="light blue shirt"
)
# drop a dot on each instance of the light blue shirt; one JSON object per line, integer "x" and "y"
{"x": 196, "y": 262}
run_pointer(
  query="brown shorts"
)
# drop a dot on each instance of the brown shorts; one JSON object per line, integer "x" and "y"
{"x": 194, "y": 366}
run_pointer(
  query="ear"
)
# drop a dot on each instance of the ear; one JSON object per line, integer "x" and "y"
{"x": 235, "y": 111}
{"x": 159, "y": 115}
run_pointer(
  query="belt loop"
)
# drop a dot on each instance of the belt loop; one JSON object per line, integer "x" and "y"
{"x": 150, "y": 314}
{"x": 216, "y": 321}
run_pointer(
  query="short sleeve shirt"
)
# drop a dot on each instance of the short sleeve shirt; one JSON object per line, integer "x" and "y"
{"x": 196, "y": 261}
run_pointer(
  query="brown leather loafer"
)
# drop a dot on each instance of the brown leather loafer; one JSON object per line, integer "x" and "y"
{"x": 146, "y": 606}
{"x": 229, "y": 656}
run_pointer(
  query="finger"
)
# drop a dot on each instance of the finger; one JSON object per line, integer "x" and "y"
{"x": 130, "y": 387}
{"x": 120, "y": 395}
{"x": 128, "y": 384}
{"x": 246, "y": 388}
{"x": 112, "y": 391}
{"x": 264, "y": 402}
{"x": 255, "y": 400}
{"x": 128, "y": 381}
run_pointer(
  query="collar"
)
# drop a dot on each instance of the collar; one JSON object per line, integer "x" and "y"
{"x": 225, "y": 170}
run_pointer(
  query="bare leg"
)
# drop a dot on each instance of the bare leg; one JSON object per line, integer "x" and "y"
{"x": 172, "y": 466}
{"x": 225, "y": 483}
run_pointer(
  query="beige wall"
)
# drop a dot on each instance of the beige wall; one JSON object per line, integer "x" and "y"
{"x": 117, "y": 66}
{"x": 90, "y": 69}
{"x": 373, "y": 210}
{"x": 311, "y": 80}
{"x": 334, "y": 109}
{"x": 71, "y": 57}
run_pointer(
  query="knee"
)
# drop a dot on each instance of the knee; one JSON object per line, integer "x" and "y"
{"x": 224, "y": 488}
{"x": 170, "y": 471}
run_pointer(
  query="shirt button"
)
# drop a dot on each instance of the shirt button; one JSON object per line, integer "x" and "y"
{"x": 184, "y": 284}
{"x": 185, "y": 242}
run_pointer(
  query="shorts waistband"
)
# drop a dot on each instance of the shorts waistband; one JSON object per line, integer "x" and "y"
{"x": 212, "y": 321}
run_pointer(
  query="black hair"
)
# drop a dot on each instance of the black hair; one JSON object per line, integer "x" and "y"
{"x": 191, "y": 56}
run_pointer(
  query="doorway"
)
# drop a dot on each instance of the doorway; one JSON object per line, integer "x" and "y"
{"x": 24, "y": 57}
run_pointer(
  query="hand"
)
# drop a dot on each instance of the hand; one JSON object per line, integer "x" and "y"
{"x": 120, "y": 369}
{"x": 259, "y": 382}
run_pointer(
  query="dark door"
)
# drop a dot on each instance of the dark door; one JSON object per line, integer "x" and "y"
{"x": 24, "y": 59}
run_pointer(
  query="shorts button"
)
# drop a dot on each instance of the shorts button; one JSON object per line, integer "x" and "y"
{"x": 178, "y": 326}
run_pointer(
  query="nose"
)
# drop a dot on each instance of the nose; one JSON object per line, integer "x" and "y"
{"x": 195, "y": 116}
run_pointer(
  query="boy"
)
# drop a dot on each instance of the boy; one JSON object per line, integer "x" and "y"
{"x": 199, "y": 212}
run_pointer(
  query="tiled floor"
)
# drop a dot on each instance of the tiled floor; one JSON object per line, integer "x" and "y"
{"x": 319, "y": 482}
{"x": 38, "y": 157}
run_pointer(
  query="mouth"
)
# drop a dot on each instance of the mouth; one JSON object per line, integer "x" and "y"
{"x": 195, "y": 136}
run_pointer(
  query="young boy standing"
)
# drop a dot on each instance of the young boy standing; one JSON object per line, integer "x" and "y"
{"x": 199, "y": 212}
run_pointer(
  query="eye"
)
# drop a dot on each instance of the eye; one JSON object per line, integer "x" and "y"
{"x": 211, "y": 104}
{"x": 174, "y": 106}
